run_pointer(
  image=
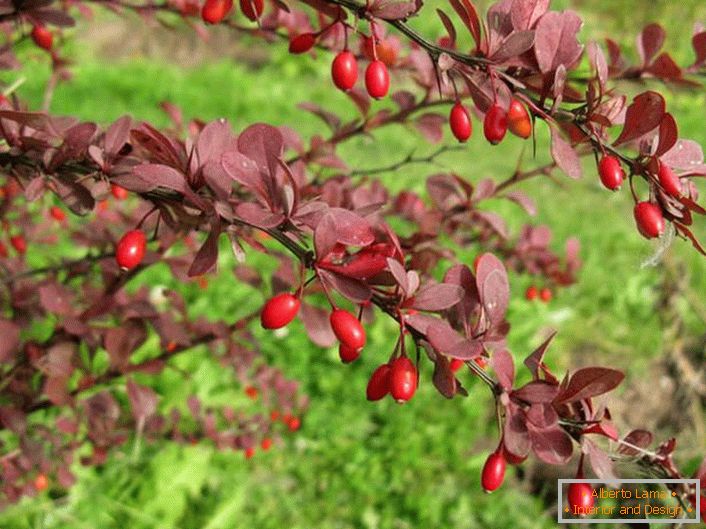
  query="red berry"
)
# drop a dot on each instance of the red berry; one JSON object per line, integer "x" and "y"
{"x": 120, "y": 193}
{"x": 518, "y": 120}
{"x": 19, "y": 244}
{"x": 344, "y": 70}
{"x": 294, "y": 423}
{"x": 41, "y": 482}
{"x": 42, "y": 37}
{"x": 252, "y": 8}
{"x": 493, "y": 472}
{"x": 460, "y": 122}
{"x": 403, "y": 379}
{"x": 303, "y": 43}
{"x": 279, "y": 311}
{"x": 348, "y": 354}
{"x": 384, "y": 50}
{"x": 249, "y": 452}
{"x": 456, "y": 364}
{"x": 251, "y": 392}
{"x": 545, "y": 295}
{"x": 347, "y": 329}
{"x": 379, "y": 383}
{"x": 649, "y": 219}
{"x": 481, "y": 362}
{"x": 57, "y": 213}
{"x": 377, "y": 79}
{"x": 266, "y": 443}
{"x": 531, "y": 293}
{"x": 214, "y": 11}
{"x": 3, "y": 250}
{"x": 131, "y": 249}
{"x": 580, "y": 498}
{"x": 669, "y": 180}
{"x": 495, "y": 124}
{"x": 611, "y": 173}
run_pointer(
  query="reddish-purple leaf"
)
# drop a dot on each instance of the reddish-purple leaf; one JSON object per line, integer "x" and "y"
{"x": 393, "y": 9}
{"x": 10, "y": 333}
{"x": 698, "y": 41}
{"x": 352, "y": 289}
{"x": 665, "y": 68}
{"x": 207, "y": 255}
{"x": 400, "y": 274}
{"x": 565, "y": 155}
{"x": 514, "y": 45}
{"x": 535, "y": 359}
{"x": 526, "y": 13}
{"x": 493, "y": 287}
{"x": 443, "y": 378}
{"x": 469, "y": 15}
{"x": 437, "y": 297}
{"x": 116, "y": 136}
{"x": 35, "y": 188}
{"x": 589, "y": 382}
{"x": 431, "y": 126}
{"x": 214, "y": 139}
{"x": 143, "y": 401}
{"x": 668, "y": 134}
{"x": 316, "y": 323}
{"x": 556, "y": 41}
{"x": 263, "y": 144}
{"x": 516, "y": 437}
{"x": 504, "y": 367}
{"x": 649, "y": 42}
{"x": 598, "y": 62}
{"x": 551, "y": 445}
{"x": 121, "y": 342}
{"x": 448, "y": 24}
{"x": 537, "y": 392}
{"x": 644, "y": 114}
{"x": 56, "y": 299}
{"x": 523, "y": 201}
{"x": 600, "y": 462}
{"x": 684, "y": 155}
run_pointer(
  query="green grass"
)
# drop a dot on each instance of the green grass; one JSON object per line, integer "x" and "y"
{"x": 353, "y": 464}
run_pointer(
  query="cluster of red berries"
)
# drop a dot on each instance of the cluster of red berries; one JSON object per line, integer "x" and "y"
{"x": 648, "y": 215}
{"x": 214, "y": 11}
{"x": 544, "y": 294}
{"x": 496, "y": 123}
{"x": 344, "y": 72}
{"x": 397, "y": 378}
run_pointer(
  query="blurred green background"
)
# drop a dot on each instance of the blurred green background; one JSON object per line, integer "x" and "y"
{"x": 355, "y": 464}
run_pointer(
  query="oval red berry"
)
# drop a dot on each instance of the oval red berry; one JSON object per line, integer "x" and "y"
{"x": 42, "y": 37}
{"x": 649, "y": 219}
{"x": 403, "y": 379}
{"x": 377, "y": 79}
{"x": 669, "y": 181}
{"x": 518, "y": 120}
{"x": 460, "y": 122}
{"x": 495, "y": 124}
{"x": 493, "y": 472}
{"x": 214, "y": 11}
{"x": 279, "y": 311}
{"x": 347, "y": 329}
{"x": 379, "y": 383}
{"x": 302, "y": 43}
{"x": 348, "y": 354}
{"x": 580, "y": 497}
{"x": 344, "y": 70}
{"x": 611, "y": 172}
{"x": 131, "y": 249}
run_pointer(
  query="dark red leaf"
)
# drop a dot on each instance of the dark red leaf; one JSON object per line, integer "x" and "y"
{"x": 121, "y": 342}
{"x": 650, "y": 42}
{"x": 551, "y": 445}
{"x": 10, "y": 333}
{"x": 590, "y": 382}
{"x": 316, "y": 323}
{"x": 504, "y": 367}
{"x": 556, "y": 40}
{"x": 526, "y": 13}
{"x": 431, "y": 126}
{"x": 564, "y": 155}
{"x": 668, "y": 134}
{"x": 352, "y": 289}
{"x": 143, "y": 401}
{"x": 644, "y": 114}
{"x": 207, "y": 255}
{"x": 537, "y": 392}
{"x": 437, "y": 297}
{"x": 536, "y": 358}
{"x": 444, "y": 379}
{"x": 493, "y": 287}
{"x": 600, "y": 462}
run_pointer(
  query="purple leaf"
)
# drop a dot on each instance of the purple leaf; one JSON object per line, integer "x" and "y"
{"x": 399, "y": 273}
{"x": 589, "y": 382}
{"x": 257, "y": 216}
{"x": 493, "y": 287}
{"x": 352, "y": 289}
{"x": 555, "y": 40}
{"x": 601, "y": 464}
{"x": 516, "y": 437}
{"x": 537, "y": 392}
{"x": 536, "y": 358}
{"x": 448, "y": 24}
{"x": 668, "y": 134}
{"x": 526, "y": 13}
{"x": 514, "y": 45}
{"x": 564, "y": 155}
{"x": 394, "y": 9}
{"x": 10, "y": 333}
{"x": 644, "y": 114}
{"x": 316, "y": 323}
{"x": 437, "y": 297}
{"x": 649, "y": 42}
{"x": 597, "y": 59}
{"x": 638, "y": 438}
{"x": 117, "y": 135}
{"x": 214, "y": 139}
{"x": 121, "y": 342}
{"x": 523, "y": 201}
{"x": 444, "y": 379}
{"x": 263, "y": 144}
{"x": 331, "y": 119}
{"x": 504, "y": 368}
{"x": 684, "y": 155}
{"x": 431, "y": 126}
{"x": 207, "y": 255}
{"x": 35, "y": 188}
{"x": 143, "y": 401}
{"x": 56, "y": 299}
{"x": 351, "y": 229}
{"x": 551, "y": 445}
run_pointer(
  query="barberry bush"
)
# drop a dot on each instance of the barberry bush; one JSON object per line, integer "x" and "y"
{"x": 91, "y": 349}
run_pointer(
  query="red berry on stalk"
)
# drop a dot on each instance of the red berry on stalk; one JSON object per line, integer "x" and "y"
{"x": 41, "y": 482}
{"x": 249, "y": 452}
{"x": 19, "y": 243}
{"x": 493, "y": 472}
{"x": 580, "y": 498}
{"x": 214, "y": 11}
{"x": 377, "y": 79}
{"x": 120, "y": 193}
{"x": 131, "y": 249}
{"x": 252, "y": 8}
{"x": 57, "y": 213}
{"x": 384, "y": 49}
{"x": 348, "y": 354}
{"x": 611, "y": 172}
{"x": 344, "y": 70}
{"x": 649, "y": 219}
{"x": 545, "y": 295}
{"x": 42, "y": 37}
{"x": 347, "y": 329}
{"x": 302, "y": 43}
{"x": 495, "y": 124}
{"x": 403, "y": 379}
{"x": 456, "y": 364}
{"x": 279, "y": 311}
{"x": 460, "y": 122}
{"x": 266, "y": 443}
{"x": 294, "y": 423}
{"x": 379, "y": 383}
{"x": 518, "y": 120}
{"x": 531, "y": 293}
{"x": 669, "y": 180}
